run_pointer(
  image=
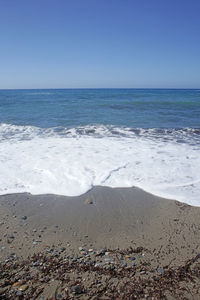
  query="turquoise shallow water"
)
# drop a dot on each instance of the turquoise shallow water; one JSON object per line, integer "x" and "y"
{"x": 134, "y": 108}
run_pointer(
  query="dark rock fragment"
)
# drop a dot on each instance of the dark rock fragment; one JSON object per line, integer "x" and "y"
{"x": 76, "y": 289}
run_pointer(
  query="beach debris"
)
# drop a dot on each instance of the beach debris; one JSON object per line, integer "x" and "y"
{"x": 96, "y": 276}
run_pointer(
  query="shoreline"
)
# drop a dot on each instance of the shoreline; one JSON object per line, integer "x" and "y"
{"x": 109, "y": 217}
{"x": 91, "y": 191}
{"x": 167, "y": 231}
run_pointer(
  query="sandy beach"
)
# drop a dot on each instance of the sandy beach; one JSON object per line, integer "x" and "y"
{"x": 107, "y": 240}
{"x": 99, "y": 150}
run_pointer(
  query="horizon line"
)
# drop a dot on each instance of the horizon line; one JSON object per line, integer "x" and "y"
{"x": 104, "y": 88}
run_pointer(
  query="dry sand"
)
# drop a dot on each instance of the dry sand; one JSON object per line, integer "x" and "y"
{"x": 168, "y": 233}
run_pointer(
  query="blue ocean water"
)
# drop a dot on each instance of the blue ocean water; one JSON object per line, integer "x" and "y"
{"x": 135, "y": 108}
{"x": 65, "y": 141}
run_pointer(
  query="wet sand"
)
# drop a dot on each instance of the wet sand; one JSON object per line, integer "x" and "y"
{"x": 165, "y": 232}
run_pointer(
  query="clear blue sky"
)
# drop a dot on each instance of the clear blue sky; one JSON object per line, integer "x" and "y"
{"x": 99, "y": 43}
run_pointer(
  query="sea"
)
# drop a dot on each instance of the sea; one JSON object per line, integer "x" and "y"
{"x": 65, "y": 141}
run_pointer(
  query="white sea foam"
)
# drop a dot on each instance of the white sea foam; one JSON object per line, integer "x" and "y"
{"x": 71, "y": 161}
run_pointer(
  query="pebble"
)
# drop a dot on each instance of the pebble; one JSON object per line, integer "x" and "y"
{"x": 155, "y": 278}
{"x": 107, "y": 259}
{"x": 88, "y": 201}
{"x": 35, "y": 243}
{"x": 46, "y": 279}
{"x": 24, "y": 217}
{"x": 76, "y": 289}
{"x": 160, "y": 270}
{"x": 101, "y": 252}
{"x": 97, "y": 265}
{"x": 132, "y": 258}
{"x": 23, "y": 287}
{"x": 134, "y": 265}
{"x": 11, "y": 256}
{"x": 11, "y": 236}
{"x": 16, "y": 284}
{"x": 89, "y": 263}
